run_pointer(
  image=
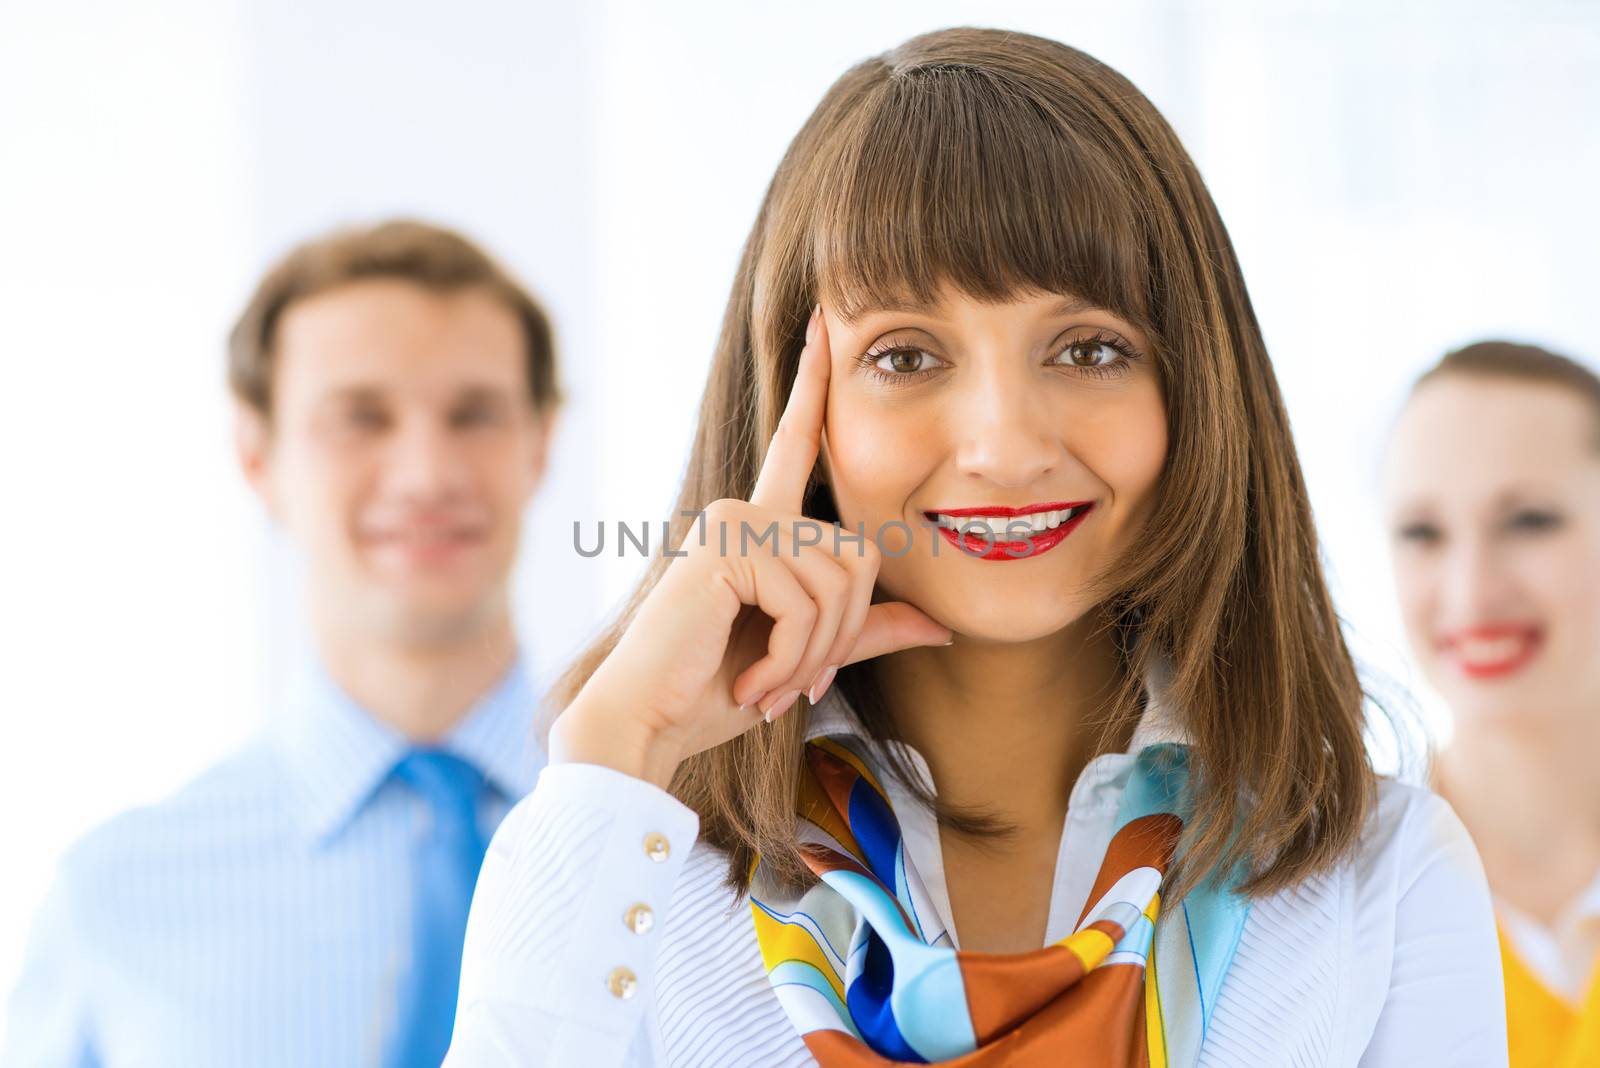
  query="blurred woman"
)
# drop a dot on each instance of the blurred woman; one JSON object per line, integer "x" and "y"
{"x": 1493, "y": 497}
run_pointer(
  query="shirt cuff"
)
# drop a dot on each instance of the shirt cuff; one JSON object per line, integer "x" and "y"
{"x": 577, "y": 887}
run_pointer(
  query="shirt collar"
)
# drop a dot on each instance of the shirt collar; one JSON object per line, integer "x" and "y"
{"x": 339, "y": 754}
{"x": 1586, "y": 906}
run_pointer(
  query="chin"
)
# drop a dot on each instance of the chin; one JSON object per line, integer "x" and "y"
{"x": 1012, "y": 621}
{"x": 1509, "y": 700}
{"x": 427, "y": 615}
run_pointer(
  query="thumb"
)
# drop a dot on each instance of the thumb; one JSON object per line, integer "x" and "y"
{"x": 895, "y": 625}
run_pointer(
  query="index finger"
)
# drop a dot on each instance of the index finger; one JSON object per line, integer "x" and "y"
{"x": 793, "y": 451}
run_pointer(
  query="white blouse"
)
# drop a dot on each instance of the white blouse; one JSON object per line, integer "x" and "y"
{"x": 603, "y": 936}
{"x": 1563, "y": 954}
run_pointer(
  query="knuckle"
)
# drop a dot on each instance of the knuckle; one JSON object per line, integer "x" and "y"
{"x": 721, "y": 509}
{"x": 860, "y": 605}
{"x": 788, "y": 431}
{"x": 723, "y": 512}
{"x": 839, "y": 582}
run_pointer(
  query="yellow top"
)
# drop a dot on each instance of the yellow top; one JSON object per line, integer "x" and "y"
{"x": 1546, "y": 1030}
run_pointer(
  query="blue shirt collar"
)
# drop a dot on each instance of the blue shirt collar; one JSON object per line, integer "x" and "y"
{"x": 339, "y": 754}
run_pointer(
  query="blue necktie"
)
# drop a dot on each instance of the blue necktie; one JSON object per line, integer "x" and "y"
{"x": 447, "y": 857}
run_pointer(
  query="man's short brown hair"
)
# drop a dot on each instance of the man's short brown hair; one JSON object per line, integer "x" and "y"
{"x": 433, "y": 257}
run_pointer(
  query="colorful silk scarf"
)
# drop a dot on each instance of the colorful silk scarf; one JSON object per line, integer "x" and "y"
{"x": 869, "y": 977}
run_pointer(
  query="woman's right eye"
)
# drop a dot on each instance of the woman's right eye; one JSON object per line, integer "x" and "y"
{"x": 904, "y": 361}
{"x": 1419, "y": 533}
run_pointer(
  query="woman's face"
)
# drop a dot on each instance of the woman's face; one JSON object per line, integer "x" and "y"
{"x": 1493, "y": 503}
{"x": 1039, "y": 410}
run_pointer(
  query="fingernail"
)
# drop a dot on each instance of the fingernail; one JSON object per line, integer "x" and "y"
{"x": 952, "y": 641}
{"x": 756, "y": 700}
{"x": 781, "y": 705}
{"x": 821, "y": 684}
{"x": 811, "y": 324}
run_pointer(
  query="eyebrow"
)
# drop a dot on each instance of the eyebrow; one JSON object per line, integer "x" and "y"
{"x": 1424, "y": 509}
{"x": 1523, "y": 496}
{"x": 352, "y": 393}
{"x": 362, "y": 392}
{"x": 481, "y": 393}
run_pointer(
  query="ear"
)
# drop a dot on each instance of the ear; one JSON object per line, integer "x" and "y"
{"x": 544, "y": 436}
{"x": 252, "y": 443}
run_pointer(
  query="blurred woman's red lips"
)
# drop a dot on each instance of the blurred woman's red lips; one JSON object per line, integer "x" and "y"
{"x": 978, "y": 531}
{"x": 1493, "y": 650}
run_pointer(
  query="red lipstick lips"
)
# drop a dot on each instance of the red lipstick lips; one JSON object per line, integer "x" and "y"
{"x": 1493, "y": 650}
{"x": 992, "y": 548}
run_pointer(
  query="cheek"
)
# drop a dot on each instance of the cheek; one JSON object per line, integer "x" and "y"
{"x": 1561, "y": 579}
{"x": 506, "y": 491}
{"x": 496, "y": 469}
{"x": 321, "y": 484}
{"x": 515, "y": 464}
{"x": 1124, "y": 443}
{"x": 1416, "y": 588}
{"x": 879, "y": 454}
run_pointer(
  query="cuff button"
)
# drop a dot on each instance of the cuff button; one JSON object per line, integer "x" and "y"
{"x": 656, "y": 847}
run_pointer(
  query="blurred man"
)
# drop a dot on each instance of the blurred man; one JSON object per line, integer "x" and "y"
{"x": 303, "y": 903}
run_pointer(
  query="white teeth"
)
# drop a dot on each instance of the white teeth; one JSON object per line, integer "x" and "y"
{"x": 1480, "y": 650}
{"x": 1037, "y": 522}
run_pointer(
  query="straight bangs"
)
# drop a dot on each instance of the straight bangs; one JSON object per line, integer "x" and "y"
{"x": 947, "y": 175}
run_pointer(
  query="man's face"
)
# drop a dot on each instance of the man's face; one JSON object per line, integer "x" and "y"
{"x": 402, "y": 448}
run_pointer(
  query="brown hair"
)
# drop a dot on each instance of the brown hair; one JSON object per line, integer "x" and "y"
{"x": 1003, "y": 163}
{"x": 1521, "y": 363}
{"x": 435, "y": 258}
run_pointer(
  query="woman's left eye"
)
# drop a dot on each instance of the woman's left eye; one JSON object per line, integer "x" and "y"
{"x": 1534, "y": 520}
{"x": 1090, "y": 353}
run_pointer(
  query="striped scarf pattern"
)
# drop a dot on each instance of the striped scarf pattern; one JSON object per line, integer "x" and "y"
{"x": 868, "y": 976}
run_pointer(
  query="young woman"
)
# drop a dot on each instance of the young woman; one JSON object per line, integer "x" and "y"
{"x": 1056, "y": 756}
{"x": 1493, "y": 487}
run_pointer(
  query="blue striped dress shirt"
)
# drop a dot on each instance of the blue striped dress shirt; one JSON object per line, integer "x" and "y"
{"x": 262, "y": 915}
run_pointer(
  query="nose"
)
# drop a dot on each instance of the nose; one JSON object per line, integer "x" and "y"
{"x": 423, "y": 464}
{"x": 1003, "y": 432}
{"x": 1475, "y": 583}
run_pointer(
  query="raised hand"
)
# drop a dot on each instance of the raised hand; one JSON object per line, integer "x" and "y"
{"x": 727, "y": 639}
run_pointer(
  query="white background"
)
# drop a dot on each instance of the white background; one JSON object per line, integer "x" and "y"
{"x": 1398, "y": 179}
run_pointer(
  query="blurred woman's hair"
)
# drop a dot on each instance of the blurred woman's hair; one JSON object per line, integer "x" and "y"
{"x": 1529, "y": 364}
{"x": 1002, "y": 164}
